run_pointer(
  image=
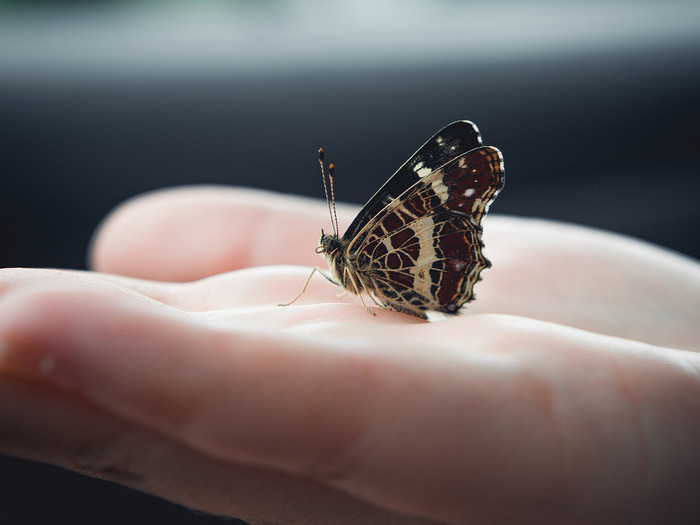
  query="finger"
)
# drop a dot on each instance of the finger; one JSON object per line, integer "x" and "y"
{"x": 415, "y": 419}
{"x": 190, "y": 233}
{"x": 134, "y": 456}
{"x": 55, "y": 427}
{"x": 590, "y": 279}
{"x": 17, "y": 280}
{"x": 226, "y": 296}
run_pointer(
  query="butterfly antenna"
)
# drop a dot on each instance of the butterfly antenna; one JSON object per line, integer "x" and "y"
{"x": 331, "y": 169}
{"x": 331, "y": 209}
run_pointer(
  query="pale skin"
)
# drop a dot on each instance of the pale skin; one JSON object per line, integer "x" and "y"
{"x": 569, "y": 392}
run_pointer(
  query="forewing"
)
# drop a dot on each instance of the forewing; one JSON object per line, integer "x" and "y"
{"x": 424, "y": 250}
{"x": 454, "y": 139}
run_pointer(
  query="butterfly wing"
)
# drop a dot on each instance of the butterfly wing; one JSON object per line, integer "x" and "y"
{"x": 453, "y": 139}
{"x": 423, "y": 251}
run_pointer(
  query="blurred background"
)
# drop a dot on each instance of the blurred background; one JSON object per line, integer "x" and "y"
{"x": 595, "y": 105}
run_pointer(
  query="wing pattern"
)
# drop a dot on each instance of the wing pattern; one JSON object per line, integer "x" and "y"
{"x": 456, "y": 138}
{"x": 423, "y": 249}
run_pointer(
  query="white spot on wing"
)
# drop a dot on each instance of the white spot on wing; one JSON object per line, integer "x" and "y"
{"x": 422, "y": 170}
{"x": 468, "y": 192}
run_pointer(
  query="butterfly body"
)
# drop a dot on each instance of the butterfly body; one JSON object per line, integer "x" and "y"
{"x": 334, "y": 250}
{"x": 416, "y": 245}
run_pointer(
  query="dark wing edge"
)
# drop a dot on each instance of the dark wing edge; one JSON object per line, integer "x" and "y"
{"x": 452, "y": 140}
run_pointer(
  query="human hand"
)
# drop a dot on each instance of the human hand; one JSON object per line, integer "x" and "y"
{"x": 569, "y": 392}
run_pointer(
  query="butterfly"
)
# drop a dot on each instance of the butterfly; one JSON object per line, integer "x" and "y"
{"x": 416, "y": 246}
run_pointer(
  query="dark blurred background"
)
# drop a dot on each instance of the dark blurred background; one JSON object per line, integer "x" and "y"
{"x": 595, "y": 105}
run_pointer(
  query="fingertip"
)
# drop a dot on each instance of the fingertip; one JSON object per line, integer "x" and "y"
{"x": 186, "y": 234}
{"x": 168, "y": 235}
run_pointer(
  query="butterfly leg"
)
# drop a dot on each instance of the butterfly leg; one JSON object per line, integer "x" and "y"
{"x": 380, "y": 305}
{"x": 306, "y": 284}
{"x": 358, "y": 289}
{"x": 365, "y": 306}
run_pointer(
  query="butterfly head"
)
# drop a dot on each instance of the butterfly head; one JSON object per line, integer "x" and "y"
{"x": 328, "y": 245}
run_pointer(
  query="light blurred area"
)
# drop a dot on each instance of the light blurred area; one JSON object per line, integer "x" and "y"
{"x": 595, "y": 105}
{"x": 154, "y": 38}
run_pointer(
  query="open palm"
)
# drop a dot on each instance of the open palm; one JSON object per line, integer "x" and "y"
{"x": 569, "y": 392}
